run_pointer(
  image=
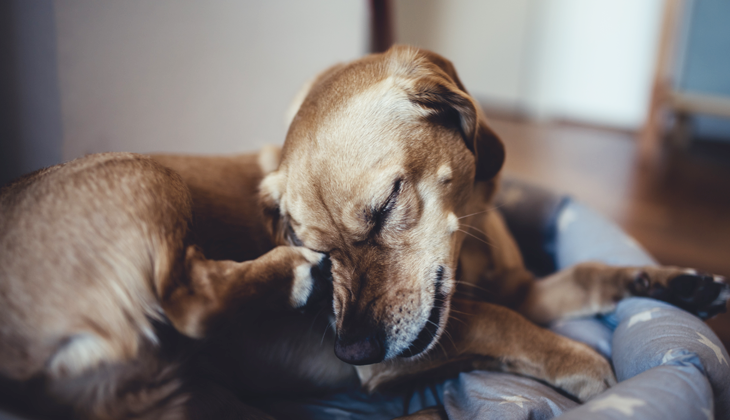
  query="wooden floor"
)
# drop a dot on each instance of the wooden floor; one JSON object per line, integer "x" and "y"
{"x": 678, "y": 208}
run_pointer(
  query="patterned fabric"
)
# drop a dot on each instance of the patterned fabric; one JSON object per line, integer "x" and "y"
{"x": 659, "y": 355}
{"x": 495, "y": 395}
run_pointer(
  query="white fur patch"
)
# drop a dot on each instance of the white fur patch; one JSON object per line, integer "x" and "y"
{"x": 80, "y": 353}
{"x": 453, "y": 222}
{"x": 372, "y": 112}
{"x": 303, "y": 283}
{"x": 444, "y": 173}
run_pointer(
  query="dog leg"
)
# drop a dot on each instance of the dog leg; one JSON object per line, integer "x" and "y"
{"x": 486, "y": 336}
{"x": 285, "y": 277}
{"x": 591, "y": 288}
{"x": 149, "y": 387}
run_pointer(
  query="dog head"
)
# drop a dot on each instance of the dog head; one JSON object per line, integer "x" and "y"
{"x": 383, "y": 158}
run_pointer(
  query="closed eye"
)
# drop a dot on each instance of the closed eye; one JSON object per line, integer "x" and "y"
{"x": 380, "y": 215}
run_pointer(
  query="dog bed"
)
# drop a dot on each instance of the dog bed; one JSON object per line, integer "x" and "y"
{"x": 669, "y": 364}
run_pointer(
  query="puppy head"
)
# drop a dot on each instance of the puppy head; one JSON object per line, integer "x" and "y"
{"x": 380, "y": 163}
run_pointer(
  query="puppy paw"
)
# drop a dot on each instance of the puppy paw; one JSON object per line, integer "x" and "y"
{"x": 583, "y": 372}
{"x": 312, "y": 281}
{"x": 702, "y": 294}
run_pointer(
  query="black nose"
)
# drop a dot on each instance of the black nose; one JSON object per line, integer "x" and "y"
{"x": 360, "y": 349}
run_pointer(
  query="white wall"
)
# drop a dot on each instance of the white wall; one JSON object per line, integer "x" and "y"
{"x": 583, "y": 60}
{"x": 216, "y": 76}
{"x": 485, "y": 39}
{"x": 594, "y": 60}
{"x": 196, "y": 76}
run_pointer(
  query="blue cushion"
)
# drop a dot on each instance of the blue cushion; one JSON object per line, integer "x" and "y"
{"x": 675, "y": 391}
{"x": 652, "y": 334}
{"x": 496, "y": 395}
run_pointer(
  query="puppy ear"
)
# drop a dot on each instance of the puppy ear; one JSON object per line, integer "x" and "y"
{"x": 270, "y": 191}
{"x": 440, "y": 90}
{"x": 489, "y": 151}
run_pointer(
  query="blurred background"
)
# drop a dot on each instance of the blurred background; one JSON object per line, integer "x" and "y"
{"x": 624, "y": 104}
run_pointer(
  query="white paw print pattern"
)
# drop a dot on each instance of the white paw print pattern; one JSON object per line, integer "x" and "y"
{"x": 517, "y": 399}
{"x": 714, "y": 347}
{"x": 642, "y": 317}
{"x": 624, "y": 405}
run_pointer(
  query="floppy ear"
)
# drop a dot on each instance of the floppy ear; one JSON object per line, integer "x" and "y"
{"x": 489, "y": 151}
{"x": 440, "y": 90}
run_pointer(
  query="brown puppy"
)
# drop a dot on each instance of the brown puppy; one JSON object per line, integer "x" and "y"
{"x": 386, "y": 159}
{"x": 93, "y": 252}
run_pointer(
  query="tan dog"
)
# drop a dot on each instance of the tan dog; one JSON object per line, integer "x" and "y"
{"x": 95, "y": 251}
{"x": 385, "y": 161}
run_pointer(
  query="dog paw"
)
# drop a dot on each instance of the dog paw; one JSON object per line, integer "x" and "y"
{"x": 702, "y": 294}
{"x": 584, "y": 372}
{"x": 312, "y": 279}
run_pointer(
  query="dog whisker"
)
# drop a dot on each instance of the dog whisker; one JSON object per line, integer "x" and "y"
{"x": 483, "y": 289}
{"x": 476, "y": 237}
{"x": 473, "y": 214}
{"x": 314, "y": 319}
{"x": 332, "y": 325}
{"x": 446, "y": 333}
{"x": 478, "y": 230}
{"x": 441, "y": 346}
{"x": 481, "y": 212}
{"x": 459, "y": 312}
{"x": 457, "y": 319}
